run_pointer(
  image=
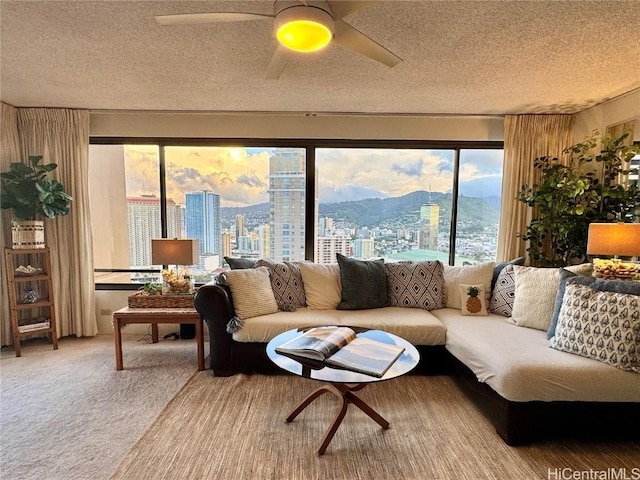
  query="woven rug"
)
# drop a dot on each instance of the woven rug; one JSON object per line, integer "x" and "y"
{"x": 234, "y": 428}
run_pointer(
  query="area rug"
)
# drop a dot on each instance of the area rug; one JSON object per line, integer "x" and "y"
{"x": 234, "y": 428}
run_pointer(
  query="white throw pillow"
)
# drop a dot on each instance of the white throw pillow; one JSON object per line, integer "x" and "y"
{"x": 535, "y": 296}
{"x": 322, "y": 286}
{"x": 251, "y": 292}
{"x": 480, "y": 274}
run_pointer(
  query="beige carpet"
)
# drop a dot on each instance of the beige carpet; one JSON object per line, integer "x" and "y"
{"x": 234, "y": 428}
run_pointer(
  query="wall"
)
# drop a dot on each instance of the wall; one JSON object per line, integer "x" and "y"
{"x": 205, "y": 125}
{"x": 621, "y": 109}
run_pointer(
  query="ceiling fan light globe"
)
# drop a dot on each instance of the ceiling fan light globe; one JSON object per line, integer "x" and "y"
{"x": 304, "y": 29}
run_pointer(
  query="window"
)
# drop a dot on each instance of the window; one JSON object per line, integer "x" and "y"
{"x": 382, "y": 199}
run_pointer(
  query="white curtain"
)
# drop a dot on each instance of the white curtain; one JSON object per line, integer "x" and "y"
{"x": 62, "y": 136}
{"x": 9, "y": 153}
{"x": 526, "y": 137}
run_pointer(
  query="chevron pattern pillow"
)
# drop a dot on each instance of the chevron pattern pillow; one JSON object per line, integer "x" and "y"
{"x": 415, "y": 284}
{"x": 504, "y": 292}
{"x": 601, "y": 325}
{"x": 286, "y": 283}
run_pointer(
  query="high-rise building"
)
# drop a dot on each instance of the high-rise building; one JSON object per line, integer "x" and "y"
{"x": 240, "y": 231}
{"x": 263, "y": 241}
{"x": 203, "y": 221}
{"x": 363, "y": 248}
{"x": 429, "y": 221}
{"x": 328, "y": 247}
{"x": 286, "y": 205}
{"x": 144, "y": 225}
{"x": 226, "y": 243}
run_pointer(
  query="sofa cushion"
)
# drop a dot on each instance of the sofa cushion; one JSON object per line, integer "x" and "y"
{"x": 519, "y": 365}
{"x": 286, "y": 283}
{"x": 364, "y": 283}
{"x": 473, "y": 300}
{"x": 251, "y": 292}
{"x": 415, "y": 284}
{"x": 480, "y": 274}
{"x": 322, "y": 287}
{"x": 503, "y": 292}
{"x": 601, "y": 325}
{"x": 415, "y": 325}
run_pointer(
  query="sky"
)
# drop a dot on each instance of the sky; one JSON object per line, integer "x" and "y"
{"x": 240, "y": 175}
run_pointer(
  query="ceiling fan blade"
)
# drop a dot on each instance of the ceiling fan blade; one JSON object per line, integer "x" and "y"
{"x": 195, "y": 18}
{"x": 341, "y": 8}
{"x": 278, "y": 63}
{"x": 353, "y": 39}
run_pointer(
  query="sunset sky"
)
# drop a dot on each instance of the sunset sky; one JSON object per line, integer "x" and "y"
{"x": 240, "y": 175}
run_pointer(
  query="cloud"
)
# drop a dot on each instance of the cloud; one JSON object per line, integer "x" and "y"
{"x": 251, "y": 180}
{"x": 410, "y": 169}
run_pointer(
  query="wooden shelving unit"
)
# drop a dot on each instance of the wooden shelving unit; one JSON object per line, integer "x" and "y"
{"x": 38, "y": 317}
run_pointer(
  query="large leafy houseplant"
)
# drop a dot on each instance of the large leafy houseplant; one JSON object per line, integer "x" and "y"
{"x": 29, "y": 190}
{"x": 570, "y": 197}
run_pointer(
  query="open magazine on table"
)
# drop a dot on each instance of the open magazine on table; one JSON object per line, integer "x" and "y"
{"x": 340, "y": 347}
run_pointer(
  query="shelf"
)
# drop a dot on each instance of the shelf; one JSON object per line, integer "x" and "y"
{"x": 40, "y": 303}
{"x": 35, "y": 331}
{"x": 31, "y": 278}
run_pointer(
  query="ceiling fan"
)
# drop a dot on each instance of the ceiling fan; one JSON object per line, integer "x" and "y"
{"x": 303, "y": 26}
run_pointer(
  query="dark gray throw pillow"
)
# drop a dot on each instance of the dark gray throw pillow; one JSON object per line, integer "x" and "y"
{"x": 562, "y": 286}
{"x": 364, "y": 283}
{"x": 240, "y": 263}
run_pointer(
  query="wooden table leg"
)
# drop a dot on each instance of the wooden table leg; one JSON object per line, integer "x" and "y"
{"x": 154, "y": 332}
{"x": 200, "y": 342}
{"x": 118, "y": 339}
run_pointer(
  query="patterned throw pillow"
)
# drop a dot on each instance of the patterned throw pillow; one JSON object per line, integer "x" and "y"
{"x": 251, "y": 292}
{"x": 286, "y": 283}
{"x": 504, "y": 292}
{"x": 473, "y": 300}
{"x": 415, "y": 285}
{"x": 601, "y": 325}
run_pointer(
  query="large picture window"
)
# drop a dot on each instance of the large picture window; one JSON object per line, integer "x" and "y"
{"x": 291, "y": 202}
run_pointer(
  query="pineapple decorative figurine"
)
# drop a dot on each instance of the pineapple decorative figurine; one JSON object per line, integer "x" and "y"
{"x": 474, "y": 305}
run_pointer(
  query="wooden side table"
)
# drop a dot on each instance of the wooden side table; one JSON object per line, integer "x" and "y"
{"x": 155, "y": 316}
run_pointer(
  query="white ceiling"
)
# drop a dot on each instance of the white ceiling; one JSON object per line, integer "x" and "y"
{"x": 460, "y": 57}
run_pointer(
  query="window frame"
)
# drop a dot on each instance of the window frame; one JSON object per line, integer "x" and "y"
{"x": 309, "y": 145}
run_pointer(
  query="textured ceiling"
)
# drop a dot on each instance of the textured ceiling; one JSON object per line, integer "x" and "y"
{"x": 460, "y": 57}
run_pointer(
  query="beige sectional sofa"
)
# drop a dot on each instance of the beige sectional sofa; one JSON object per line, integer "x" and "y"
{"x": 526, "y": 388}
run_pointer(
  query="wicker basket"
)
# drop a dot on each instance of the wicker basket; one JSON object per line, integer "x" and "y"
{"x": 144, "y": 300}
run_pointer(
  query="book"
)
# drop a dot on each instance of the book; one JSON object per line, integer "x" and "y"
{"x": 33, "y": 326}
{"x": 341, "y": 347}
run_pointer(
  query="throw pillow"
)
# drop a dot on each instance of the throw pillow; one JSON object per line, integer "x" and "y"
{"x": 601, "y": 325}
{"x": 251, "y": 292}
{"x": 562, "y": 285}
{"x": 501, "y": 266}
{"x": 415, "y": 284}
{"x": 473, "y": 300}
{"x": 286, "y": 283}
{"x": 480, "y": 274}
{"x": 364, "y": 283}
{"x": 322, "y": 286}
{"x": 535, "y": 296}
{"x": 503, "y": 292}
{"x": 240, "y": 263}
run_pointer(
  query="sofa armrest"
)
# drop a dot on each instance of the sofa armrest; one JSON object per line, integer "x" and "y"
{"x": 215, "y": 304}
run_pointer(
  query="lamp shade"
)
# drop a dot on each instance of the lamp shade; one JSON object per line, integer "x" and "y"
{"x": 614, "y": 239}
{"x": 176, "y": 251}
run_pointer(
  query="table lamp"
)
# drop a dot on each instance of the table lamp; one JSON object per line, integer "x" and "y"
{"x": 181, "y": 253}
{"x": 616, "y": 239}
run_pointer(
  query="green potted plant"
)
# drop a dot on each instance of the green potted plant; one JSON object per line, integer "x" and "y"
{"x": 30, "y": 191}
{"x": 568, "y": 198}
